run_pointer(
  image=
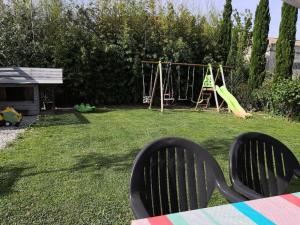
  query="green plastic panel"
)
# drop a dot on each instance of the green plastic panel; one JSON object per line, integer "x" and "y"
{"x": 208, "y": 82}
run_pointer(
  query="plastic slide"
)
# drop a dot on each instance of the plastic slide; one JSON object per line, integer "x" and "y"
{"x": 232, "y": 103}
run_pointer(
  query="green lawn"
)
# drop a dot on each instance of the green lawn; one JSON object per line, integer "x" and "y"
{"x": 73, "y": 169}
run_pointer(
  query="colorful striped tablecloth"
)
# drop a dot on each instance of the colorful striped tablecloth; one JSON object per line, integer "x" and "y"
{"x": 284, "y": 209}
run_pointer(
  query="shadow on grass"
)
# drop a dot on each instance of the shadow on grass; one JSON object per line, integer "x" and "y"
{"x": 103, "y": 110}
{"x": 98, "y": 161}
{"x": 59, "y": 118}
{"x": 8, "y": 177}
{"x": 219, "y": 148}
{"x": 66, "y": 117}
{"x": 92, "y": 162}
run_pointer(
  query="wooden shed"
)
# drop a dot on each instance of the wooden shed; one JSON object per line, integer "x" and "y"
{"x": 28, "y": 89}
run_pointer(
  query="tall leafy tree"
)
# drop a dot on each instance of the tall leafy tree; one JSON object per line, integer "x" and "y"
{"x": 260, "y": 44}
{"x": 240, "y": 42}
{"x": 285, "y": 46}
{"x": 100, "y": 45}
{"x": 225, "y": 31}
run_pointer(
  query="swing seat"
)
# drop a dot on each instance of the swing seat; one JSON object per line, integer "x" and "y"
{"x": 183, "y": 99}
{"x": 147, "y": 99}
{"x": 168, "y": 97}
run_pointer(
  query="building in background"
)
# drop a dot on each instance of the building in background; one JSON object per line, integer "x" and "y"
{"x": 271, "y": 57}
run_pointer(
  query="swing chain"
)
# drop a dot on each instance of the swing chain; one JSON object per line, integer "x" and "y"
{"x": 147, "y": 98}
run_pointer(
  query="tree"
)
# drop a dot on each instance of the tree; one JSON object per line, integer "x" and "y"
{"x": 101, "y": 45}
{"x": 240, "y": 39}
{"x": 260, "y": 44}
{"x": 246, "y": 34}
{"x": 285, "y": 46}
{"x": 240, "y": 42}
{"x": 225, "y": 31}
{"x": 231, "y": 59}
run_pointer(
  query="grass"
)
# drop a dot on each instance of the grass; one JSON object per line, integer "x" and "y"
{"x": 75, "y": 169}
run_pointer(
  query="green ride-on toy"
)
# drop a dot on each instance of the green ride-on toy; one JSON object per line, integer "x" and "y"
{"x": 10, "y": 117}
{"x": 84, "y": 108}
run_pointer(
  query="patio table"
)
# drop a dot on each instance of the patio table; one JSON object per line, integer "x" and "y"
{"x": 283, "y": 209}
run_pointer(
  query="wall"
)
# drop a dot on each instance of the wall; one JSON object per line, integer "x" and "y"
{"x": 271, "y": 59}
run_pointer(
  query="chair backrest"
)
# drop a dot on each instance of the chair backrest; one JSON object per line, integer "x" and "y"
{"x": 261, "y": 163}
{"x": 172, "y": 175}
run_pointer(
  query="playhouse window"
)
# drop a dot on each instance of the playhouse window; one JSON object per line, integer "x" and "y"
{"x": 16, "y": 94}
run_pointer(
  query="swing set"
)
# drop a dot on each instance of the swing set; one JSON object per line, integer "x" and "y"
{"x": 177, "y": 83}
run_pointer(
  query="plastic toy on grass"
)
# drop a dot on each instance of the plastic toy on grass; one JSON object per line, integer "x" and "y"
{"x": 83, "y": 108}
{"x": 9, "y": 116}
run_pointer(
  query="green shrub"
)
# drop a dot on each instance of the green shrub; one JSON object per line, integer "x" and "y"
{"x": 286, "y": 97}
{"x": 242, "y": 94}
{"x": 261, "y": 98}
{"x": 281, "y": 97}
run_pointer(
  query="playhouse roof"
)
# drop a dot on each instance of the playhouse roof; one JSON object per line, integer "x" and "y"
{"x": 26, "y": 75}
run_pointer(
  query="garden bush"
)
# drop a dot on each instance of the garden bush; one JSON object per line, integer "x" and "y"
{"x": 281, "y": 97}
{"x": 261, "y": 98}
{"x": 286, "y": 97}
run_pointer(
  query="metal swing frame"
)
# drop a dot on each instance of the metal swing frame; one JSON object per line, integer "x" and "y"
{"x": 159, "y": 78}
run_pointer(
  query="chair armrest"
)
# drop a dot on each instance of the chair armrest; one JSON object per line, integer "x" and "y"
{"x": 138, "y": 207}
{"x": 231, "y": 195}
{"x": 245, "y": 191}
{"x": 297, "y": 172}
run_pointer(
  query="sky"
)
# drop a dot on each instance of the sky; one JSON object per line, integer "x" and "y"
{"x": 241, "y": 5}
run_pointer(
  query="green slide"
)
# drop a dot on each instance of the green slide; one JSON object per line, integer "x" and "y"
{"x": 231, "y": 101}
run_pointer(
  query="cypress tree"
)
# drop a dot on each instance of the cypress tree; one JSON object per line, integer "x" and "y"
{"x": 225, "y": 31}
{"x": 260, "y": 44}
{"x": 232, "y": 56}
{"x": 285, "y": 46}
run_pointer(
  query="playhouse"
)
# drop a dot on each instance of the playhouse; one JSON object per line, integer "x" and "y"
{"x": 29, "y": 89}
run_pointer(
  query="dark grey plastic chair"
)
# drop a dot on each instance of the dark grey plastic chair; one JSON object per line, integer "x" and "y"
{"x": 261, "y": 166}
{"x": 172, "y": 175}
